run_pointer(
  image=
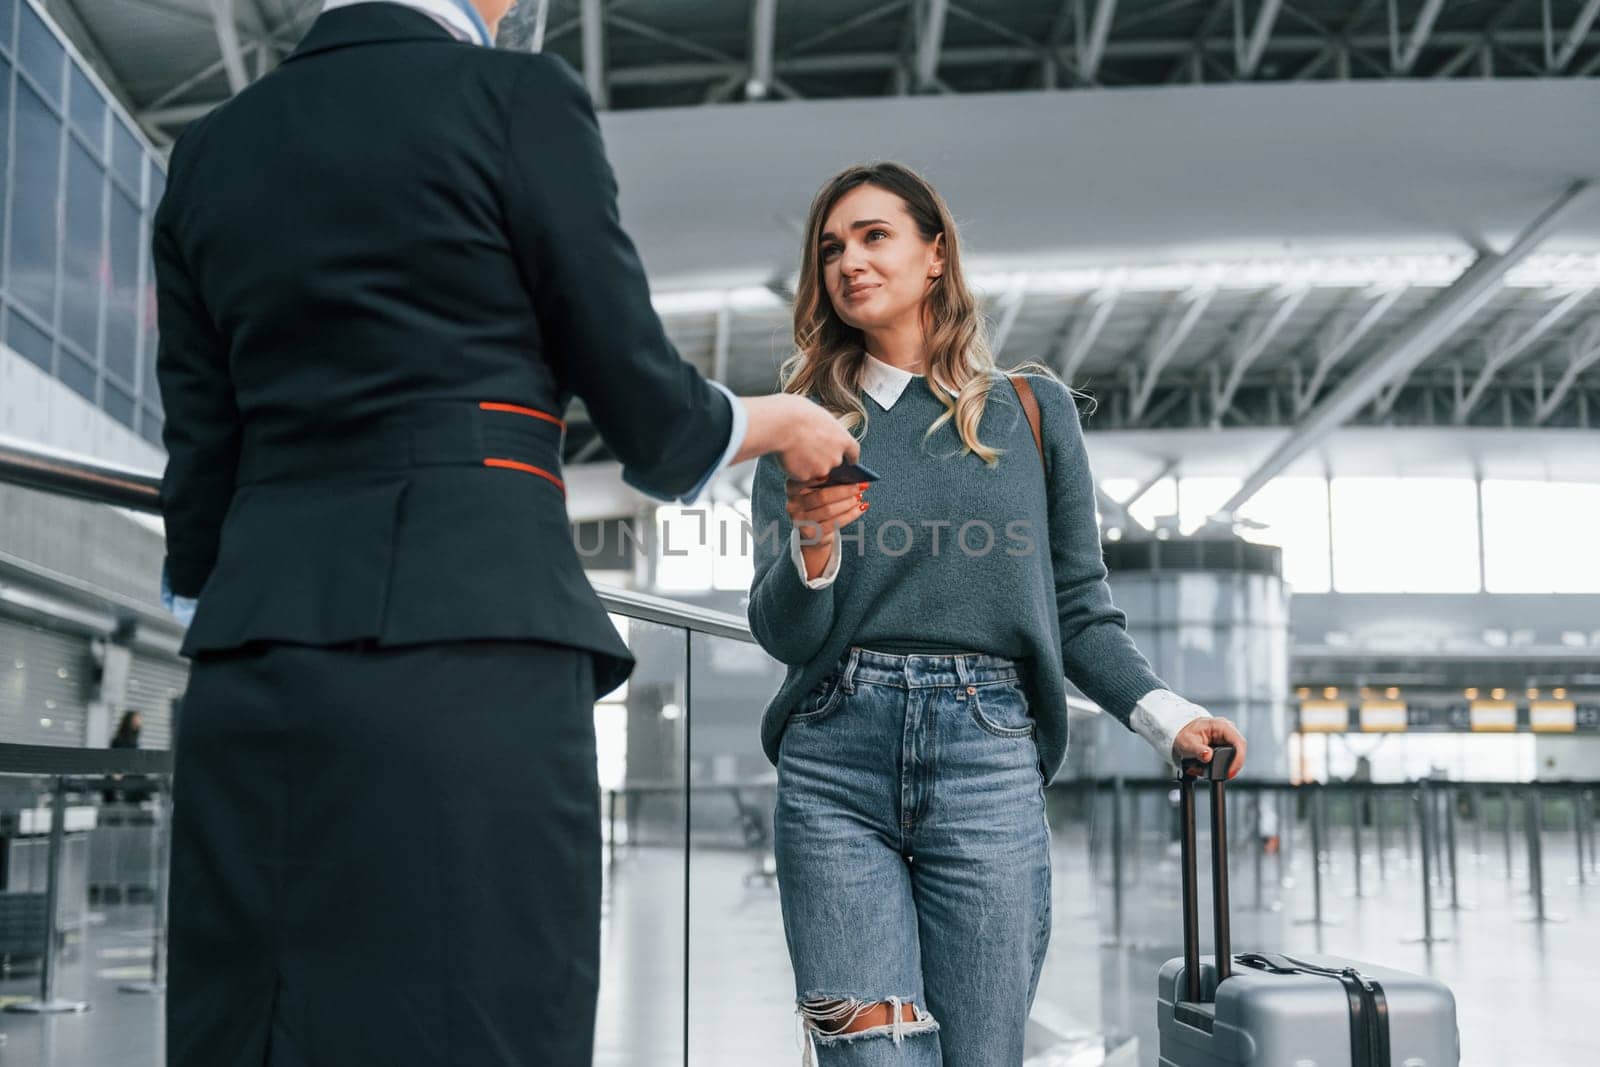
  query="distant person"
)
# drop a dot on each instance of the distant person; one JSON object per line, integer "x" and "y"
{"x": 383, "y": 272}
{"x": 927, "y": 620}
{"x": 127, "y": 736}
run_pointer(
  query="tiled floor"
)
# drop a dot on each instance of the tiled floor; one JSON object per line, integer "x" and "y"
{"x": 1524, "y": 991}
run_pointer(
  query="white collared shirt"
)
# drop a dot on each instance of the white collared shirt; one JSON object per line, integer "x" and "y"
{"x": 1157, "y": 716}
{"x": 445, "y": 12}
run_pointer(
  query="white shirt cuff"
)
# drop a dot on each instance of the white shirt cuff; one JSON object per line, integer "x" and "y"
{"x": 829, "y": 572}
{"x": 1159, "y": 715}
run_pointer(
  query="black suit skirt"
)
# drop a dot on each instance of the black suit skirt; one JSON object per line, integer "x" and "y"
{"x": 385, "y": 856}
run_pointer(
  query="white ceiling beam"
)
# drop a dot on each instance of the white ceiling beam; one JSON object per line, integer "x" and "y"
{"x": 674, "y": 73}
{"x": 180, "y": 114}
{"x": 1175, "y": 328}
{"x": 1411, "y": 345}
{"x": 1150, "y": 483}
{"x": 1575, "y": 37}
{"x": 721, "y": 349}
{"x": 541, "y": 22}
{"x": 1093, "y": 37}
{"x": 1458, "y": 62}
{"x": 1257, "y": 336}
{"x": 1010, "y": 308}
{"x": 1584, "y": 352}
{"x": 66, "y": 15}
{"x": 850, "y": 25}
{"x": 1249, "y": 55}
{"x": 1111, "y": 509}
{"x": 1503, "y": 348}
{"x": 594, "y": 52}
{"x": 1085, "y": 331}
{"x": 763, "y": 34}
{"x": 222, "y": 15}
{"x": 1339, "y": 339}
{"x": 1420, "y": 30}
{"x": 930, "y": 43}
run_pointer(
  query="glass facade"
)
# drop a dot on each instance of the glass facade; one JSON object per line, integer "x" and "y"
{"x": 79, "y": 187}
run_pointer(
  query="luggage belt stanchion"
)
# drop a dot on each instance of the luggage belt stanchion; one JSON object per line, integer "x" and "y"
{"x": 47, "y": 1004}
{"x": 1257, "y": 846}
{"x": 1452, "y": 798}
{"x": 158, "y": 952}
{"x": 1586, "y": 806}
{"x": 1533, "y": 804}
{"x": 1475, "y": 799}
{"x": 1358, "y": 802}
{"x": 1382, "y": 819}
{"x": 1505, "y": 826}
{"x": 1589, "y": 827}
{"x": 1420, "y": 801}
{"x": 1285, "y": 802}
{"x": 1319, "y": 810}
{"x": 1117, "y": 791}
{"x": 1577, "y": 837}
{"x": 611, "y": 826}
{"x": 1440, "y": 863}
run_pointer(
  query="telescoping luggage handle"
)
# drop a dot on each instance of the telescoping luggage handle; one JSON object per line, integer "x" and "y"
{"x": 1216, "y": 772}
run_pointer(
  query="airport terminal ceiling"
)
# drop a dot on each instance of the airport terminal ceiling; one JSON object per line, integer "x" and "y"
{"x": 1267, "y": 217}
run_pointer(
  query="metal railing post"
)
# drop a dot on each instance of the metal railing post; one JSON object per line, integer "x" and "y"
{"x": 158, "y": 948}
{"x": 47, "y": 1004}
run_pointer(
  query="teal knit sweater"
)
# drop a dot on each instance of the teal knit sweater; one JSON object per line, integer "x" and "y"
{"x": 956, "y": 555}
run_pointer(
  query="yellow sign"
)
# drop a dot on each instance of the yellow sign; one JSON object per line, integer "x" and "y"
{"x": 1552, "y": 716}
{"x": 1494, "y": 716}
{"x": 1383, "y": 716}
{"x": 1324, "y": 716}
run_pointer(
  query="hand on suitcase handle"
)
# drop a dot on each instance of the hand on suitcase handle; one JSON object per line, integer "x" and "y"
{"x": 1202, "y": 740}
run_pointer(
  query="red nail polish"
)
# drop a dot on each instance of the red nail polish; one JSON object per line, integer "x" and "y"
{"x": 864, "y": 507}
{"x": 863, "y": 485}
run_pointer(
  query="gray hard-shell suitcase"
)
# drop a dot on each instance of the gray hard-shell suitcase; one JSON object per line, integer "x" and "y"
{"x": 1272, "y": 1010}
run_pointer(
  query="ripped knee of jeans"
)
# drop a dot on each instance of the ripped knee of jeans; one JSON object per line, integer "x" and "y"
{"x": 830, "y": 1020}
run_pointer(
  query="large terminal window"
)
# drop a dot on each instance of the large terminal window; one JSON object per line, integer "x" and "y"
{"x": 78, "y": 188}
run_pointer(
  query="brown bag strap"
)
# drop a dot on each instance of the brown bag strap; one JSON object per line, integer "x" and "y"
{"x": 1030, "y": 407}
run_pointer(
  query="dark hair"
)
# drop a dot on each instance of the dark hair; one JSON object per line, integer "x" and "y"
{"x": 127, "y": 728}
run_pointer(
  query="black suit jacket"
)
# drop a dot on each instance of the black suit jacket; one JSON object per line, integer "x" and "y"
{"x": 382, "y": 272}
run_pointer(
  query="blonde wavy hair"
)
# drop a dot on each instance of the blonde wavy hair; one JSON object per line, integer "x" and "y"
{"x": 829, "y": 353}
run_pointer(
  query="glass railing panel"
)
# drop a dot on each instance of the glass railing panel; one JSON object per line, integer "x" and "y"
{"x": 741, "y": 989}
{"x": 641, "y": 733}
{"x": 82, "y": 911}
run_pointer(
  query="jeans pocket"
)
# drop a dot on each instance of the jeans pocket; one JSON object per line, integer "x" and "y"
{"x": 1002, "y": 710}
{"x": 821, "y": 702}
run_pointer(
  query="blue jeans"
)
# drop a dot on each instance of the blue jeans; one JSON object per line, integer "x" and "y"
{"x": 914, "y": 859}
